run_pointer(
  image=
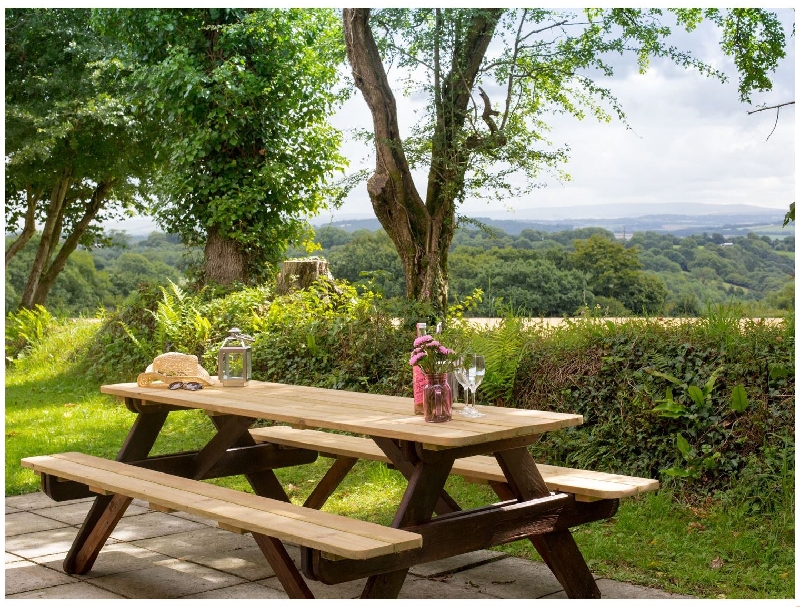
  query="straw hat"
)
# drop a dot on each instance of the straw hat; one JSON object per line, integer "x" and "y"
{"x": 174, "y": 366}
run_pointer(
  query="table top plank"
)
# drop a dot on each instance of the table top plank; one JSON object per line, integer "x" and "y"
{"x": 359, "y": 413}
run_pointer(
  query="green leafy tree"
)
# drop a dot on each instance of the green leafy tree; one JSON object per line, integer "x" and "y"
{"x": 611, "y": 270}
{"x": 241, "y": 98}
{"x": 130, "y": 270}
{"x": 369, "y": 256}
{"x": 76, "y": 153}
{"x": 543, "y": 62}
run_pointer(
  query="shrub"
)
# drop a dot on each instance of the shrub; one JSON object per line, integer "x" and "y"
{"x": 124, "y": 345}
{"x": 25, "y": 329}
{"x": 329, "y": 336}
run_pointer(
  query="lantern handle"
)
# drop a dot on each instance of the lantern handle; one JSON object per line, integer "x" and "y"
{"x": 237, "y": 334}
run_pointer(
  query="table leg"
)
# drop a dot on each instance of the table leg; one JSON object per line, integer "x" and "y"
{"x": 328, "y": 484}
{"x": 108, "y": 509}
{"x": 417, "y": 506}
{"x": 557, "y": 548}
{"x": 283, "y": 566}
{"x": 264, "y": 483}
{"x": 444, "y": 504}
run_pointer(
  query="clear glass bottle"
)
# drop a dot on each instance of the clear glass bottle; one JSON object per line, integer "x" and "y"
{"x": 419, "y": 376}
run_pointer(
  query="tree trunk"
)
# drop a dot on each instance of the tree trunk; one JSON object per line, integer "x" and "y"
{"x": 297, "y": 274}
{"x": 71, "y": 243}
{"x": 51, "y": 233}
{"x": 224, "y": 262}
{"x": 421, "y": 231}
{"x": 28, "y": 229}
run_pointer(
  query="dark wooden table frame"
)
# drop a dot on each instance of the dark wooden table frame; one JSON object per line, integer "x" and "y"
{"x": 528, "y": 509}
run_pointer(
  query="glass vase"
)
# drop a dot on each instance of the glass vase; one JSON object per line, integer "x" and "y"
{"x": 419, "y": 384}
{"x": 437, "y": 399}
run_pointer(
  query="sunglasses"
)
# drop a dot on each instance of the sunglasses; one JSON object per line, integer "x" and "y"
{"x": 189, "y": 385}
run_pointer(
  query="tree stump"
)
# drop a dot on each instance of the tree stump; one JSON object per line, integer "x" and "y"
{"x": 297, "y": 274}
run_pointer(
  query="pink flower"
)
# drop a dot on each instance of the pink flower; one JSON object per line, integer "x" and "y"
{"x": 422, "y": 339}
{"x": 416, "y": 357}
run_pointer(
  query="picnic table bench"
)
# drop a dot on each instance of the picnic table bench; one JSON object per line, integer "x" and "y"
{"x": 585, "y": 485}
{"x": 538, "y": 502}
{"x": 267, "y": 519}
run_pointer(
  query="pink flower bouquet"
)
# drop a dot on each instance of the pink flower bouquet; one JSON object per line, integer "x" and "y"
{"x": 431, "y": 356}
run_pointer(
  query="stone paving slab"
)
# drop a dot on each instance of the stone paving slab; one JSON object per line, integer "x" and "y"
{"x": 81, "y": 590}
{"x": 429, "y": 589}
{"x": 24, "y": 576}
{"x": 73, "y": 513}
{"x": 248, "y": 590}
{"x": 166, "y": 579}
{"x": 158, "y": 555}
{"x": 457, "y": 563}
{"x": 510, "y": 578}
{"x": 152, "y": 525}
{"x": 247, "y": 563}
{"x": 203, "y": 540}
{"x": 117, "y": 558}
{"x": 34, "y": 501}
{"x": 41, "y": 543}
{"x": 18, "y": 523}
{"x": 13, "y": 558}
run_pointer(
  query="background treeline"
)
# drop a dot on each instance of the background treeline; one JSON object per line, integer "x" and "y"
{"x": 103, "y": 278}
{"x": 534, "y": 273}
{"x": 557, "y": 273}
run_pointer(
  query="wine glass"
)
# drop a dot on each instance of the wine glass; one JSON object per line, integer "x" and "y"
{"x": 474, "y": 368}
{"x": 461, "y": 377}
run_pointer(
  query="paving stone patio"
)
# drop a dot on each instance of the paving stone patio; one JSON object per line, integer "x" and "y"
{"x": 154, "y": 555}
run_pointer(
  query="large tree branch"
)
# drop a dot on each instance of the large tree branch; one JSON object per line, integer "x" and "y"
{"x": 771, "y": 107}
{"x": 55, "y": 213}
{"x": 91, "y": 210}
{"x": 448, "y": 155}
{"x": 395, "y": 200}
{"x": 29, "y": 227}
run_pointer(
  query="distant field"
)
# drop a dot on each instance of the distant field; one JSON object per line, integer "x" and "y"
{"x": 552, "y": 322}
{"x": 789, "y": 254}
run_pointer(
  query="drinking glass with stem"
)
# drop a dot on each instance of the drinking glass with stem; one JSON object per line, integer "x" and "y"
{"x": 459, "y": 372}
{"x": 473, "y": 368}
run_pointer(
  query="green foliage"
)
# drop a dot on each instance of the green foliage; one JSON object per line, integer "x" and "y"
{"x": 544, "y": 274}
{"x": 693, "y": 400}
{"x": 180, "y": 326}
{"x": 241, "y": 98}
{"x": 589, "y": 366}
{"x": 328, "y": 336}
{"x": 77, "y": 154}
{"x": 25, "y": 329}
{"x": 103, "y": 277}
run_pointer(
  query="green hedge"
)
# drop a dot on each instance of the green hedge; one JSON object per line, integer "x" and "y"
{"x": 696, "y": 401}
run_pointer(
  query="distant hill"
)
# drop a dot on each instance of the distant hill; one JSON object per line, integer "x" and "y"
{"x": 633, "y": 210}
{"x": 729, "y": 221}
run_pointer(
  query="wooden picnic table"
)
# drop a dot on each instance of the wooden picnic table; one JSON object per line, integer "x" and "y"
{"x": 423, "y": 452}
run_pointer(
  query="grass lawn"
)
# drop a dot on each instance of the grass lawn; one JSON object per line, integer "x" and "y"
{"x": 654, "y": 540}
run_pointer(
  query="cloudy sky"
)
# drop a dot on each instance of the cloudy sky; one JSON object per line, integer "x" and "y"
{"x": 691, "y": 141}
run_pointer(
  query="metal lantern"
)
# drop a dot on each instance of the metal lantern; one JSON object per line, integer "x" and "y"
{"x": 235, "y": 360}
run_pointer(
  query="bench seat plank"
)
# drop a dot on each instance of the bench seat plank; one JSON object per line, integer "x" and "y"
{"x": 585, "y": 484}
{"x": 324, "y": 531}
